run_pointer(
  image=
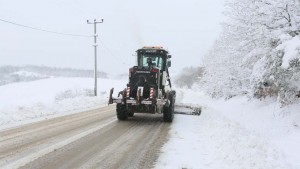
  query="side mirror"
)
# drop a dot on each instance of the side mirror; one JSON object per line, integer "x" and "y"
{"x": 169, "y": 56}
{"x": 169, "y": 63}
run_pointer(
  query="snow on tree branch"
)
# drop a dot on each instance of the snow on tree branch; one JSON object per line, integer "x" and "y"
{"x": 258, "y": 52}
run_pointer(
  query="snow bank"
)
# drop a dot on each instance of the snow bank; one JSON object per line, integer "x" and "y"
{"x": 238, "y": 133}
{"x": 27, "y": 101}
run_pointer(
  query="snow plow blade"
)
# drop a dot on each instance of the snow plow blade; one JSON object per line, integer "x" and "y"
{"x": 187, "y": 110}
{"x": 110, "y": 100}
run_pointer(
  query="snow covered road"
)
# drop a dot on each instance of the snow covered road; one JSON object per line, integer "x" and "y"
{"x": 233, "y": 134}
{"x": 85, "y": 140}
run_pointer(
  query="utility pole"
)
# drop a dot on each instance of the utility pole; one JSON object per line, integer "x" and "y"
{"x": 95, "y": 46}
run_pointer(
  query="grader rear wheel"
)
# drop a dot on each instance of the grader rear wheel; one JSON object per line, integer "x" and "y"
{"x": 122, "y": 113}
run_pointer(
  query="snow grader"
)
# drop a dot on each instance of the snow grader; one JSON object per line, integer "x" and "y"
{"x": 149, "y": 89}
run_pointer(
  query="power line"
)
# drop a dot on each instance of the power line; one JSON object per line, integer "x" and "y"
{"x": 112, "y": 54}
{"x": 44, "y": 30}
{"x": 105, "y": 47}
{"x": 66, "y": 34}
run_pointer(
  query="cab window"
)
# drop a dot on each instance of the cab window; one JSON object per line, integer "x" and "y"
{"x": 157, "y": 60}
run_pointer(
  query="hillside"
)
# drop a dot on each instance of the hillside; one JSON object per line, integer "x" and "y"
{"x": 11, "y": 74}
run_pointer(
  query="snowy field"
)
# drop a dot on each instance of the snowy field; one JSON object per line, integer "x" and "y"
{"x": 234, "y": 134}
{"x": 26, "y": 102}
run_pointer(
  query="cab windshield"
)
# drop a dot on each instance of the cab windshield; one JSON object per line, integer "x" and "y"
{"x": 157, "y": 60}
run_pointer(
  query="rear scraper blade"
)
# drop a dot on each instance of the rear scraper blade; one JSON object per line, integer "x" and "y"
{"x": 187, "y": 110}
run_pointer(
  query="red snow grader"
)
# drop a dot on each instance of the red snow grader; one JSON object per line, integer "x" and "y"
{"x": 149, "y": 89}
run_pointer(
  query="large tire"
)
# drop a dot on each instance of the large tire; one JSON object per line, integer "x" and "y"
{"x": 122, "y": 113}
{"x": 169, "y": 113}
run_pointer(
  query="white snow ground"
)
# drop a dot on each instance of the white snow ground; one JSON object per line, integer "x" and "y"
{"x": 234, "y": 134}
{"x": 26, "y": 102}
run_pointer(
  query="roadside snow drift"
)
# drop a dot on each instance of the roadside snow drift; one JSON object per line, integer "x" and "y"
{"x": 234, "y": 134}
{"x": 25, "y": 101}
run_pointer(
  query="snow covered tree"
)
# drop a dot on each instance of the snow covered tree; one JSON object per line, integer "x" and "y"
{"x": 258, "y": 51}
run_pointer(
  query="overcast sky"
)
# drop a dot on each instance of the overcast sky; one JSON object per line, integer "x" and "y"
{"x": 186, "y": 28}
